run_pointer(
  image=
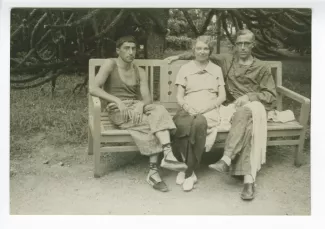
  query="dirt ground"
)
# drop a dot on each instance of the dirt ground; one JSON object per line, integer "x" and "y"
{"x": 59, "y": 181}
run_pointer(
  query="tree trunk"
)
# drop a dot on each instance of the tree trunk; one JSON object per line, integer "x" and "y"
{"x": 155, "y": 45}
{"x": 218, "y": 34}
{"x": 156, "y": 37}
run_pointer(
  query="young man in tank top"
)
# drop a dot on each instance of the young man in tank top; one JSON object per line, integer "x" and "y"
{"x": 125, "y": 88}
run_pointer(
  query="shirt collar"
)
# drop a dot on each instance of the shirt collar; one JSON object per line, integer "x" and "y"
{"x": 193, "y": 69}
{"x": 253, "y": 62}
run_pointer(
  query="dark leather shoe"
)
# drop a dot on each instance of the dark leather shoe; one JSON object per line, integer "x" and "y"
{"x": 161, "y": 186}
{"x": 248, "y": 192}
{"x": 158, "y": 185}
{"x": 220, "y": 166}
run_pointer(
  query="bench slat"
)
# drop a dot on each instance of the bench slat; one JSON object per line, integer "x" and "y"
{"x": 269, "y": 143}
{"x": 277, "y": 128}
{"x": 283, "y": 133}
{"x": 117, "y": 139}
{"x": 283, "y": 142}
{"x": 119, "y": 149}
{"x": 294, "y": 125}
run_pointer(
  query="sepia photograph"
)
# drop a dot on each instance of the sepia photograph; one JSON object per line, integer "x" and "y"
{"x": 160, "y": 111}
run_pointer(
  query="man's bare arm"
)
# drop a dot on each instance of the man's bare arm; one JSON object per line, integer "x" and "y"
{"x": 100, "y": 79}
{"x": 146, "y": 98}
{"x": 96, "y": 90}
{"x": 184, "y": 56}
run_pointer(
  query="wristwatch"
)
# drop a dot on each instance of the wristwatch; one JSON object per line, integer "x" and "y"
{"x": 182, "y": 106}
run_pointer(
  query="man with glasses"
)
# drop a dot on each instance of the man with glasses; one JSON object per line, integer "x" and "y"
{"x": 247, "y": 79}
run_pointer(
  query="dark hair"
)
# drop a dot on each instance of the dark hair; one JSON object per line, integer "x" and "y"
{"x": 245, "y": 32}
{"x": 124, "y": 39}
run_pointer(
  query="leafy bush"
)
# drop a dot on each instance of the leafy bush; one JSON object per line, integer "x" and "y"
{"x": 178, "y": 43}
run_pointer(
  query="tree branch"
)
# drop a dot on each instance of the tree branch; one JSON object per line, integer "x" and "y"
{"x": 120, "y": 15}
{"x": 294, "y": 21}
{"x": 299, "y": 13}
{"x": 83, "y": 20}
{"x": 190, "y": 22}
{"x": 207, "y": 22}
{"x": 247, "y": 21}
{"x": 53, "y": 76}
{"x": 30, "y": 79}
{"x": 36, "y": 28}
{"x": 224, "y": 25}
{"x": 234, "y": 21}
{"x": 288, "y": 30}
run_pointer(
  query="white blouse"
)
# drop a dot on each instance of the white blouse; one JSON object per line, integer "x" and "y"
{"x": 201, "y": 86}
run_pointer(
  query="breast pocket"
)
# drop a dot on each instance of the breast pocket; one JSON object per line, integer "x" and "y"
{"x": 251, "y": 77}
{"x": 247, "y": 79}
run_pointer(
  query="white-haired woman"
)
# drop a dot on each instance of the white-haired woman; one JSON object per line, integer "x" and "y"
{"x": 200, "y": 92}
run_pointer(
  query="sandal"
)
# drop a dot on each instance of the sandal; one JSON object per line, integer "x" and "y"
{"x": 158, "y": 185}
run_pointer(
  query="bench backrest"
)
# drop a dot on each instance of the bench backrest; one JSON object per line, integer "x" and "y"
{"x": 162, "y": 77}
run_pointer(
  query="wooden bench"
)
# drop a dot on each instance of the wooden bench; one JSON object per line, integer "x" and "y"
{"x": 103, "y": 136}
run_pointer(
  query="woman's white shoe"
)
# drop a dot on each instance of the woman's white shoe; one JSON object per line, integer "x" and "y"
{"x": 180, "y": 178}
{"x": 189, "y": 182}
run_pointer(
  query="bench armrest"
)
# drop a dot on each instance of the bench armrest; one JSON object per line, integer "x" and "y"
{"x": 94, "y": 113}
{"x": 305, "y": 103}
{"x": 293, "y": 95}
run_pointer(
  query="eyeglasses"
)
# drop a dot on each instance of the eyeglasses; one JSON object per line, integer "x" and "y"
{"x": 240, "y": 44}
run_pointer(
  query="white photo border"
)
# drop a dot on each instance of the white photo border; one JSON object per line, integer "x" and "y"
{"x": 317, "y": 128}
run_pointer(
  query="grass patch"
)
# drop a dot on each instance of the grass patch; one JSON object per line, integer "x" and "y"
{"x": 62, "y": 119}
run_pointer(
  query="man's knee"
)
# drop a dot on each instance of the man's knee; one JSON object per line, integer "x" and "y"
{"x": 159, "y": 107}
{"x": 243, "y": 113}
{"x": 155, "y": 108}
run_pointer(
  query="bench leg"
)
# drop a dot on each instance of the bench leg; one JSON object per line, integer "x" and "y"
{"x": 97, "y": 154}
{"x": 299, "y": 152}
{"x": 90, "y": 143}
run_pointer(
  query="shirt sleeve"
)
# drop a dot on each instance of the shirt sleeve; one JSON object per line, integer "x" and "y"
{"x": 267, "y": 93}
{"x": 181, "y": 77}
{"x": 221, "y": 81}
